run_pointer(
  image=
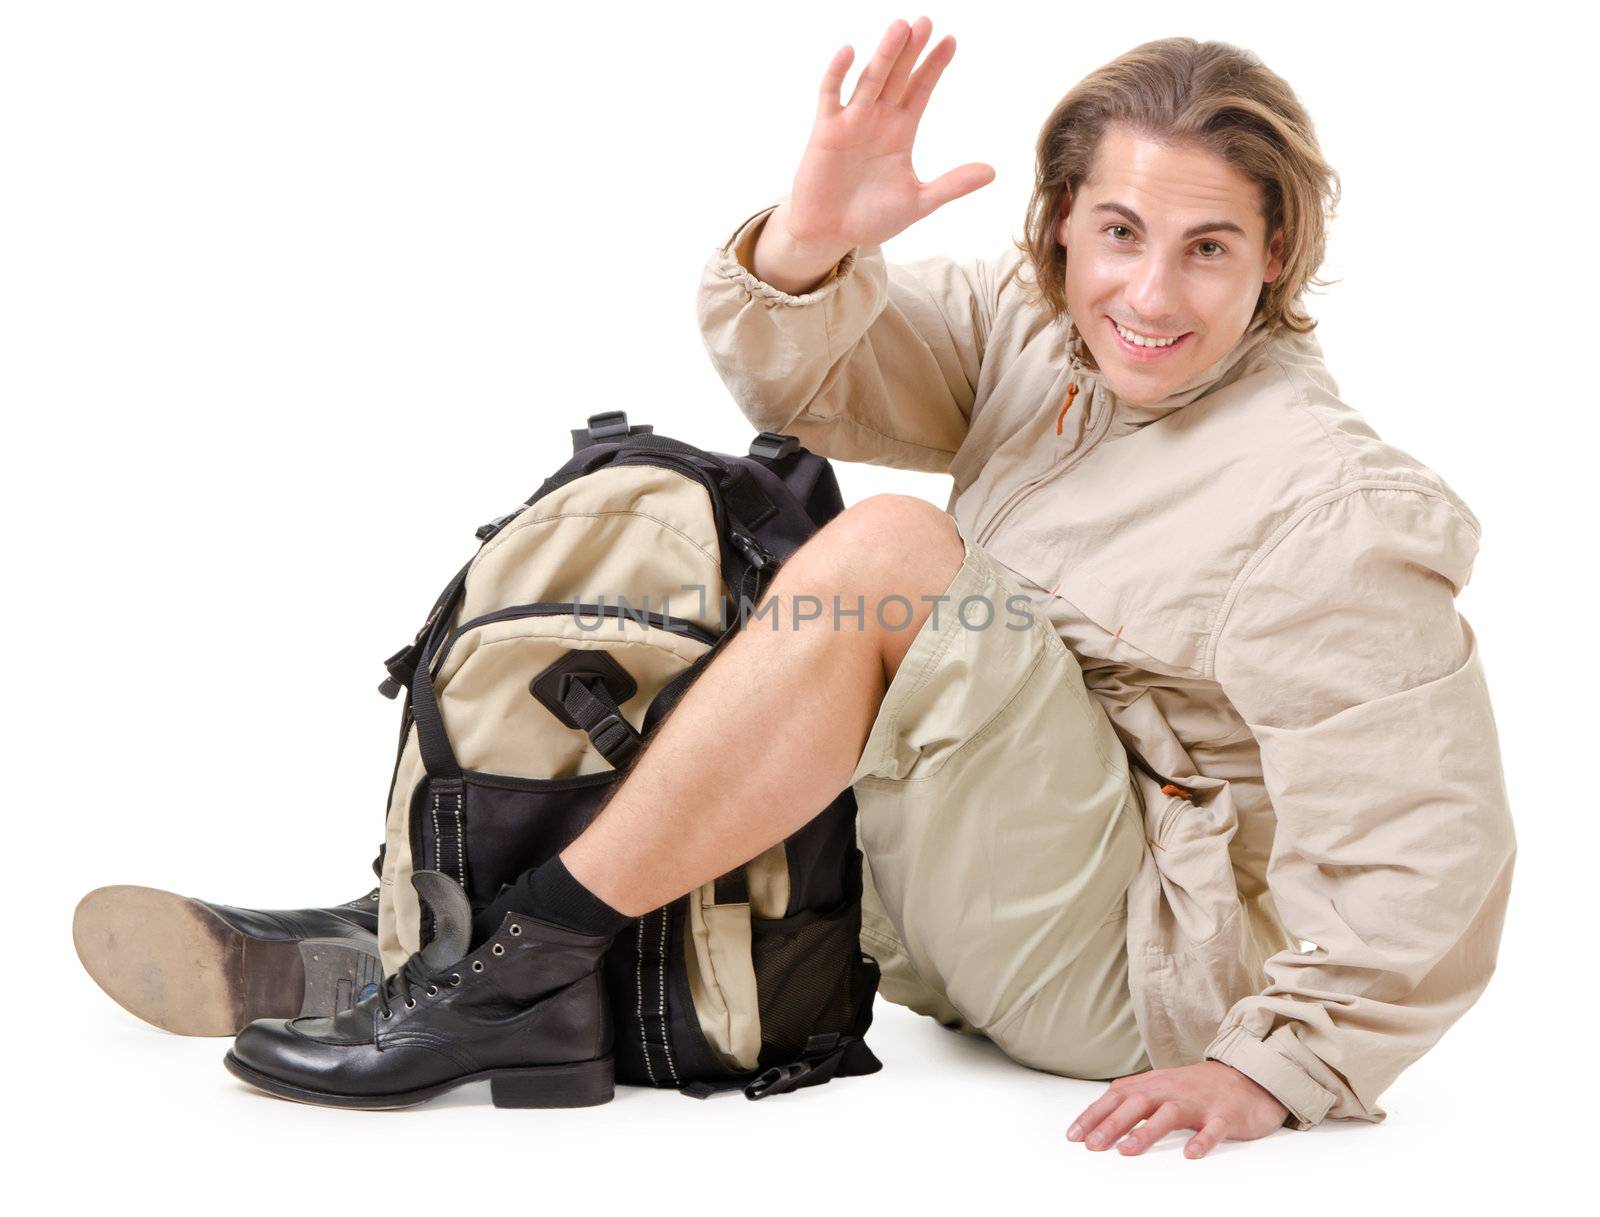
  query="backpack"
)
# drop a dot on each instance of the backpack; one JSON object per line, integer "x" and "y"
{"x": 540, "y": 672}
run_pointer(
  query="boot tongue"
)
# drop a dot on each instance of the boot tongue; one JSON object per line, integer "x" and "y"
{"x": 452, "y": 918}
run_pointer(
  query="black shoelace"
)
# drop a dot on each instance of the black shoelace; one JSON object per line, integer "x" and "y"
{"x": 412, "y": 975}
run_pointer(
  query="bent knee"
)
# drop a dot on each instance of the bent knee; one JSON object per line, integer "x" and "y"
{"x": 901, "y": 536}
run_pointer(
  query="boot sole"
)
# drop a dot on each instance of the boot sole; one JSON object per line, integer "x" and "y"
{"x": 584, "y": 1084}
{"x": 175, "y": 964}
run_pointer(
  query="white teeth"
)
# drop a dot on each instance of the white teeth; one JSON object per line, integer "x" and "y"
{"x": 1140, "y": 341}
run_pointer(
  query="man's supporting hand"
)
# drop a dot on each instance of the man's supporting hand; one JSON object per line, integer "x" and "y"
{"x": 1212, "y": 1097}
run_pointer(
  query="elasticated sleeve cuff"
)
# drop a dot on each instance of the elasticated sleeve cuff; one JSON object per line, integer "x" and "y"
{"x": 733, "y": 258}
{"x": 1307, "y": 1100}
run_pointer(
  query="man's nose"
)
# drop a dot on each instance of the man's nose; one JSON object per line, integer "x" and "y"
{"x": 1152, "y": 292}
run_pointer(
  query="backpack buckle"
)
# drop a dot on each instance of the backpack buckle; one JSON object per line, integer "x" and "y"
{"x": 608, "y": 424}
{"x": 771, "y": 446}
{"x": 821, "y": 1055}
{"x": 777, "y": 1080}
{"x": 615, "y": 739}
{"x": 401, "y": 666}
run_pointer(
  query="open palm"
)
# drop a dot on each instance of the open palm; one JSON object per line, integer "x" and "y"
{"x": 855, "y": 184}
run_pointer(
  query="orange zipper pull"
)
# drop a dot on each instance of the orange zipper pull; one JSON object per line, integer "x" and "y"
{"x": 1072, "y": 391}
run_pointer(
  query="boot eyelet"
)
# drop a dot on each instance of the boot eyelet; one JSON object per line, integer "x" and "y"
{"x": 433, "y": 990}
{"x": 387, "y": 1016}
{"x": 455, "y": 979}
{"x": 410, "y": 1004}
{"x": 498, "y": 950}
{"x": 516, "y": 930}
{"x": 477, "y": 965}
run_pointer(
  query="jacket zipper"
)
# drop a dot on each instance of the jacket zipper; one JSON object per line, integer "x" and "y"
{"x": 1170, "y": 787}
{"x": 1014, "y": 499}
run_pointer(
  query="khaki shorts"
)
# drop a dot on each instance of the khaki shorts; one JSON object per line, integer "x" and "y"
{"x": 1000, "y": 831}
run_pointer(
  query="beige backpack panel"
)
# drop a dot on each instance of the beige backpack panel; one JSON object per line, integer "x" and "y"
{"x": 633, "y": 531}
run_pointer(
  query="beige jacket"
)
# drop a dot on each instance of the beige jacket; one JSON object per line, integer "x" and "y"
{"x": 1260, "y": 592}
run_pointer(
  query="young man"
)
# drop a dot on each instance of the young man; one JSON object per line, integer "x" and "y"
{"x": 1301, "y": 883}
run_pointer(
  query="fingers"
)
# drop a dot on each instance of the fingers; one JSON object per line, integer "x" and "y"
{"x": 1093, "y": 1114}
{"x": 876, "y": 73}
{"x": 953, "y": 185}
{"x": 1129, "y": 1112}
{"x": 1167, "y": 1117}
{"x": 1206, "y": 1139}
{"x": 922, "y": 81}
{"x": 895, "y": 87}
{"x": 1185, "y": 1096}
{"x": 828, "y": 98}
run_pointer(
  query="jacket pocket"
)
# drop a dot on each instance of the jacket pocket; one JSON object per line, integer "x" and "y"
{"x": 1143, "y": 619}
{"x": 1195, "y": 986}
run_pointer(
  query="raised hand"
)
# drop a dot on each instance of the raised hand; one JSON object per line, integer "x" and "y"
{"x": 855, "y": 185}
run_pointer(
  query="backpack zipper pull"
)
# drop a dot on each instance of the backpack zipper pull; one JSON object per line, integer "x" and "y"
{"x": 751, "y": 549}
{"x": 487, "y": 532}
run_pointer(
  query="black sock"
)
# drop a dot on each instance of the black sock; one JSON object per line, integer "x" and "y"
{"x": 550, "y": 893}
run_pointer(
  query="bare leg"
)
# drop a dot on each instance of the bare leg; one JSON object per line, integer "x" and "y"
{"x": 771, "y": 731}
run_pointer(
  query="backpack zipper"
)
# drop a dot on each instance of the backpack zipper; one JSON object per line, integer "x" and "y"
{"x": 752, "y": 550}
{"x": 660, "y": 621}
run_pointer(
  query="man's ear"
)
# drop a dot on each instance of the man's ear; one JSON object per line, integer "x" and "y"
{"x": 1274, "y": 257}
{"x": 1061, "y": 218}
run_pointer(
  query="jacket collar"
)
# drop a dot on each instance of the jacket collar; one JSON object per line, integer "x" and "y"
{"x": 1128, "y": 417}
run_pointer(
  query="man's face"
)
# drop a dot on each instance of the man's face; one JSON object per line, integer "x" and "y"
{"x": 1170, "y": 243}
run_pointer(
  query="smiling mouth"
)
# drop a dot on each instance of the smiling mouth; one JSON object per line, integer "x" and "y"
{"x": 1156, "y": 347}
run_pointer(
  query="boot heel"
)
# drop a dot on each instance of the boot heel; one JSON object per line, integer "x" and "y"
{"x": 336, "y": 970}
{"x": 585, "y": 1084}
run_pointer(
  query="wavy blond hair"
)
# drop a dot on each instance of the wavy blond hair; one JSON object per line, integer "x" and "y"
{"x": 1207, "y": 94}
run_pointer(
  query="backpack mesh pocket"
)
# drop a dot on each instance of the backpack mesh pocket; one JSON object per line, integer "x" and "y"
{"x": 807, "y": 978}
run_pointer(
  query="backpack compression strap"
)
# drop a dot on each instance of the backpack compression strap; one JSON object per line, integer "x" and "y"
{"x": 593, "y": 708}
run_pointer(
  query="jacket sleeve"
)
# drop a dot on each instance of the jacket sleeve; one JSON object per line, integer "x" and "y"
{"x": 878, "y": 363}
{"x": 1344, "y": 652}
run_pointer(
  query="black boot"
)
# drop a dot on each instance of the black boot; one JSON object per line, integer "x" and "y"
{"x": 527, "y": 1010}
{"x": 208, "y": 969}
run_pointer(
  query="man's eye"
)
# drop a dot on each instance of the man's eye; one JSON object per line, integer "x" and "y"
{"x": 1214, "y": 246}
{"x": 1115, "y": 228}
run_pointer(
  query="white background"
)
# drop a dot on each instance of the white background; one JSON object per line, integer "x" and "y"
{"x": 295, "y": 295}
